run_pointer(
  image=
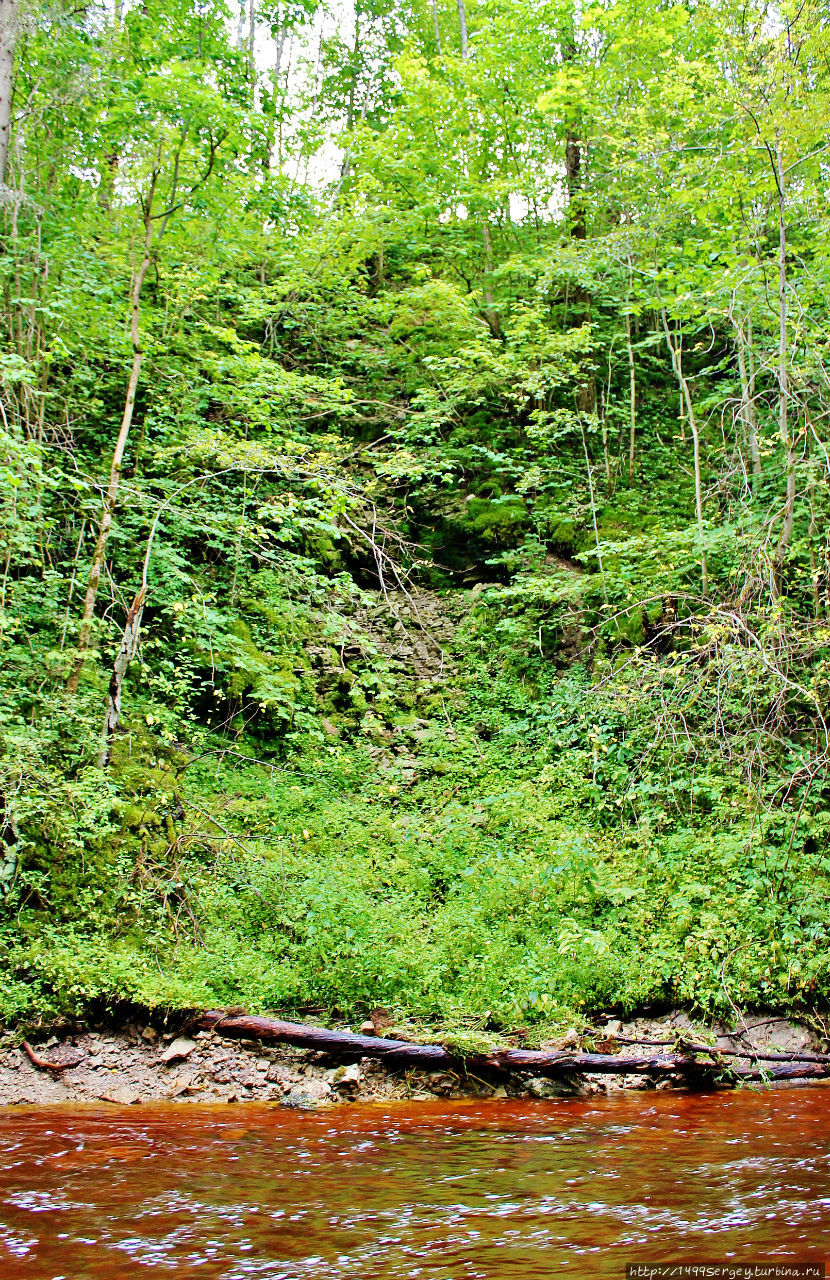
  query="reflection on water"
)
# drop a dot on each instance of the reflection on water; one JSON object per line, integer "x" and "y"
{"x": 439, "y": 1191}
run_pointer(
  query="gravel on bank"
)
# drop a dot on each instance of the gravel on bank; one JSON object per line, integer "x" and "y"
{"x": 141, "y": 1063}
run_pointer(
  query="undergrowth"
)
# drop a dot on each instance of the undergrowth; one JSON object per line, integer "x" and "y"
{"x": 529, "y": 850}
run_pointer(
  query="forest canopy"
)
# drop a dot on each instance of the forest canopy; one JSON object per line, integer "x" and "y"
{"x": 415, "y": 532}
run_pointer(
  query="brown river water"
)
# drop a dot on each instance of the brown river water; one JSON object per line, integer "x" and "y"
{"x": 443, "y": 1191}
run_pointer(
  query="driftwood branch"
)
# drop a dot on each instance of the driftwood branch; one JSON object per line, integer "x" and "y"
{"x": 46, "y": 1064}
{"x": 435, "y": 1057}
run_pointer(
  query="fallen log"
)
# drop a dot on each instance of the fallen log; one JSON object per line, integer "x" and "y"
{"x": 760, "y": 1055}
{"x": 436, "y": 1057}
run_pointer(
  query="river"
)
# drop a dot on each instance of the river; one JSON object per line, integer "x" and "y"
{"x": 443, "y": 1191}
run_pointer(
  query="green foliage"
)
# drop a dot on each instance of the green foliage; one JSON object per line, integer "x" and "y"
{"x": 454, "y": 688}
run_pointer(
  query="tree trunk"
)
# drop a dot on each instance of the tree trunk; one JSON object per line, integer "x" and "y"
{"x": 684, "y": 390}
{"x": 632, "y": 400}
{"x": 126, "y": 653}
{"x": 593, "y": 508}
{"x": 743, "y": 343}
{"x": 811, "y": 534}
{"x": 111, "y": 492}
{"x": 632, "y": 380}
{"x": 251, "y": 52}
{"x": 436, "y": 27}
{"x": 8, "y": 41}
{"x": 132, "y": 628}
{"x": 489, "y": 303}
{"x": 603, "y": 419}
{"x": 379, "y": 273}
{"x": 490, "y": 311}
{"x": 587, "y": 394}
{"x": 462, "y": 23}
{"x": 783, "y": 376}
{"x": 434, "y": 1057}
{"x": 353, "y": 78}
{"x": 272, "y": 132}
{"x": 573, "y": 176}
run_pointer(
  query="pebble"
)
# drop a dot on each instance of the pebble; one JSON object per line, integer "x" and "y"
{"x": 347, "y": 1077}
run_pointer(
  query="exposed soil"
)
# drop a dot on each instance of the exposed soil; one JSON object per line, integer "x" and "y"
{"x": 141, "y": 1064}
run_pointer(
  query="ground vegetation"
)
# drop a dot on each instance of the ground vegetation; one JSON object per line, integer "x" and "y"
{"x": 414, "y": 553}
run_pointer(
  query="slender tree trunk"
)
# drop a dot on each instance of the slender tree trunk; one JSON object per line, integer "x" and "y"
{"x": 379, "y": 274}
{"x": 353, "y": 78}
{"x": 632, "y": 400}
{"x": 681, "y": 417}
{"x": 462, "y": 23}
{"x": 436, "y": 27}
{"x": 603, "y": 419}
{"x": 811, "y": 533}
{"x": 783, "y": 373}
{"x": 111, "y": 492}
{"x": 130, "y": 634}
{"x": 783, "y": 382}
{"x": 684, "y": 391}
{"x": 490, "y": 309}
{"x": 126, "y": 653}
{"x": 251, "y": 53}
{"x": 743, "y": 343}
{"x": 489, "y": 303}
{"x": 8, "y": 41}
{"x": 750, "y": 362}
{"x": 280, "y": 38}
{"x": 593, "y": 508}
{"x": 345, "y": 167}
{"x": 587, "y": 396}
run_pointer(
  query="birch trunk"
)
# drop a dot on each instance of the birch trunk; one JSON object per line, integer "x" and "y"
{"x": 489, "y": 302}
{"x": 462, "y": 24}
{"x": 743, "y": 343}
{"x": 8, "y": 41}
{"x": 783, "y": 372}
{"x": 111, "y": 492}
{"x": 690, "y": 413}
{"x": 632, "y": 400}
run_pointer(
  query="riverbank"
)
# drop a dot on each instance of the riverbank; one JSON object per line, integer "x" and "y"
{"x": 143, "y": 1062}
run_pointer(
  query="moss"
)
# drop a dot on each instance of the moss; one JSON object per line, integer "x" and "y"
{"x": 323, "y": 549}
{"x": 628, "y": 626}
{"x": 469, "y": 1044}
{"x": 494, "y": 517}
{"x": 563, "y": 535}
